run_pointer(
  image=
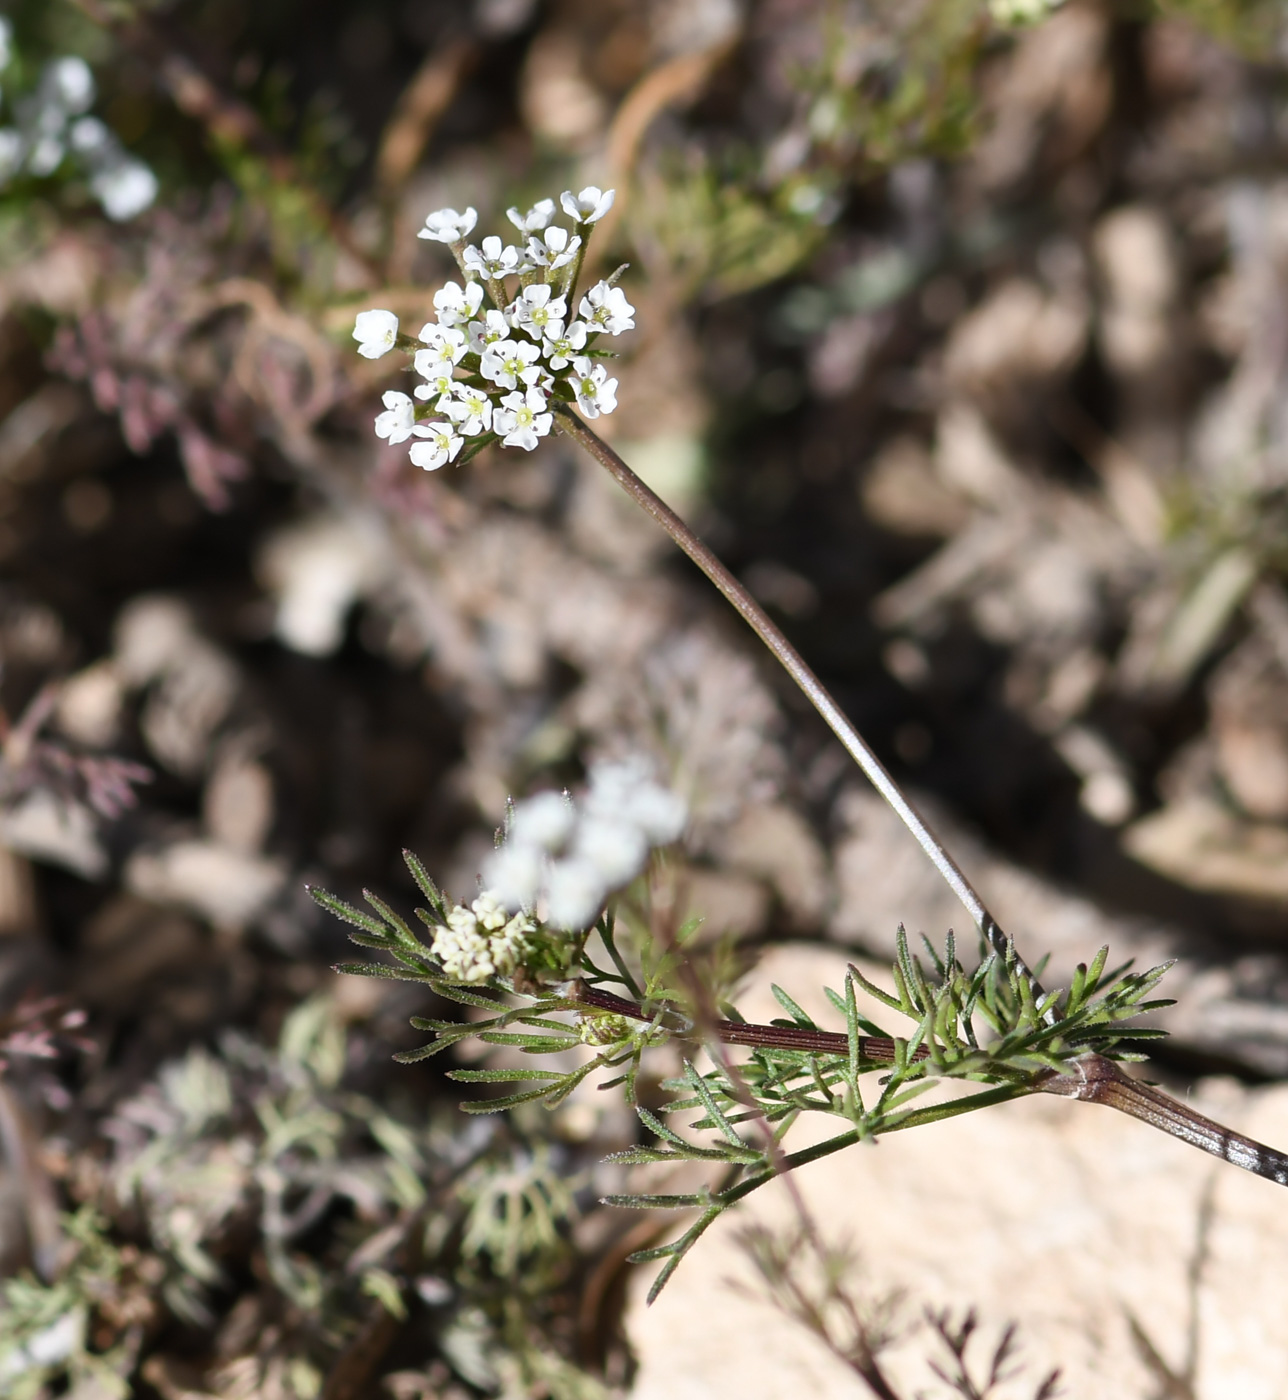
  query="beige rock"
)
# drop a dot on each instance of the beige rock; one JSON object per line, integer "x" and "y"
{"x": 317, "y": 569}
{"x": 1018, "y": 332}
{"x": 1207, "y": 847}
{"x": 225, "y": 886}
{"x": 776, "y": 843}
{"x": 726, "y": 902}
{"x": 89, "y": 706}
{"x": 1069, "y": 1220}
{"x": 902, "y": 492}
{"x": 129, "y": 941}
{"x": 559, "y": 102}
{"x": 238, "y": 803}
{"x": 1250, "y": 726}
{"x": 18, "y": 915}
{"x": 65, "y": 833}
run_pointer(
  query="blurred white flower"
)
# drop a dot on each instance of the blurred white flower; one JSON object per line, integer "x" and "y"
{"x": 88, "y": 135}
{"x": 535, "y": 219}
{"x": 616, "y": 849}
{"x": 607, "y": 308}
{"x": 11, "y": 152}
{"x": 624, "y": 789}
{"x": 595, "y": 392}
{"x": 546, "y": 821}
{"x": 376, "y": 333}
{"x": 521, "y": 419}
{"x": 439, "y": 446}
{"x": 447, "y": 226}
{"x": 589, "y": 206}
{"x": 575, "y": 893}
{"x": 398, "y": 421}
{"x": 514, "y": 871}
{"x": 69, "y": 82}
{"x": 1018, "y": 12}
{"x": 6, "y": 53}
{"x": 567, "y": 857}
{"x": 125, "y": 189}
{"x": 46, "y": 155}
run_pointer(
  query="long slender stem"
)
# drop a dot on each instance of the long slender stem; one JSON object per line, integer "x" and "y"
{"x": 1098, "y": 1080}
{"x": 1094, "y": 1079}
{"x": 794, "y": 664}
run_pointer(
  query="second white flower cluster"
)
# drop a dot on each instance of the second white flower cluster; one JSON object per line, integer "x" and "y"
{"x": 491, "y": 362}
{"x": 562, "y": 859}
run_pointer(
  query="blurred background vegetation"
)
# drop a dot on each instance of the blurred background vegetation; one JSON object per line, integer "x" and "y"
{"x": 963, "y": 330}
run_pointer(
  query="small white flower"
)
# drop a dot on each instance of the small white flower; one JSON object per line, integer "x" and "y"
{"x": 589, "y": 206}
{"x": 617, "y": 849}
{"x": 508, "y": 362}
{"x": 509, "y": 946}
{"x": 447, "y": 226}
{"x": 455, "y": 303}
{"x": 398, "y": 421}
{"x": 562, "y": 349}
{"x": 495, "y": 260}
{"x": 513, "y": 872}
{"x": 46, "y": 155}
{"x": 625, "y": 791}
{"x": 538, "y": 312}
{"x": 462, "y": 949}
{"x": 520, "y": 421}
{"x": 70, "y": 83}
{"x": 125, "y": 189}
{"x": 607, "y": 308}
{"x": 575, "y": 893}
{"x": 535, "y": 219}
{"x": 494, "y": 326}
{"x": 595, "y": 392}
{"x": 376, "y": 333}
{"x": 11, "y": 152}
{"x": 555, "y": 250}
{"x": 470, "y": 409}
{"x": 445, "y": 346}
{"x": 544, "y": 822}
{"x": 438, "y": 385}
{"x": 462, "y": 920}
{"x": 491, "y": 912}
{"x": 440, "y": 446}
{"x": 89, "y": 135}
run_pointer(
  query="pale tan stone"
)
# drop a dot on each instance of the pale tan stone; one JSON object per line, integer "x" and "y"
{"x": 1064, "y": 1218}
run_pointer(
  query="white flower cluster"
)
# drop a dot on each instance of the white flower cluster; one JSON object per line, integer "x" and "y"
{"x": 482, "y": 940}
{"x": 51, "y": 125}
{"x": 564, "y": 858}
{"x": 492, "y": 362}
{"x": 1015, "y": 13}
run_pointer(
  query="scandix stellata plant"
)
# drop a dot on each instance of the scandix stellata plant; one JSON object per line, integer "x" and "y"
{"x": 555, "y": 952}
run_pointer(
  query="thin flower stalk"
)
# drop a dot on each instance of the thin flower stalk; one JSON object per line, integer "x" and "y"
{"x": 795, "y": 666}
